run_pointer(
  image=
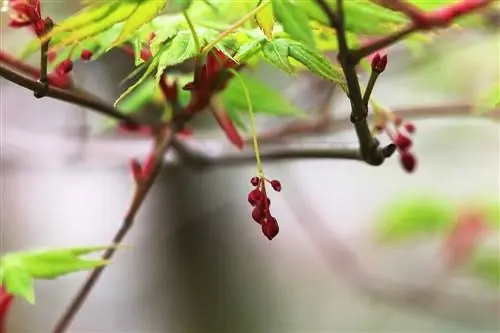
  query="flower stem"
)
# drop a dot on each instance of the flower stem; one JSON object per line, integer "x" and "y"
{"x": 235, "y": 26}
{"x": 193, "y": 31}
{"x": 253, "y": 127}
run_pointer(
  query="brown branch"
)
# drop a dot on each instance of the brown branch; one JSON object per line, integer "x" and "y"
{"x": 73, "y": 95}
{"x": 421, "y": 21}
{"x": 328, "y": 125}
{"x": 161, "y": 147}
{"x": 369, "y": 147}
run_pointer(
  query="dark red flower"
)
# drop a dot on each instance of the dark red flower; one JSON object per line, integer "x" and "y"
{"x": 209, "y": 78}
{"x": 86, "y": 55}
{"x": 261, "y": 203}
{"x": 26, "y": 13}
{"x": 6, "y": 300}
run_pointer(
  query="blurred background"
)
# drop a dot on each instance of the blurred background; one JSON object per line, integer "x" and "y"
{"x": 200, "y": 264}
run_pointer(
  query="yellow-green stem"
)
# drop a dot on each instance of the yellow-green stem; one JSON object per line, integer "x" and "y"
{"x": 235, "y": 26}
{"x": 253, "y": 127}
{"x": 193, "y": 31}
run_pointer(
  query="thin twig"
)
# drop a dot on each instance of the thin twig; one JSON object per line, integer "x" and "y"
{"x": 47, "y": 27}
{"x": 329, "y": 125}
{"x": 141, "y": 191}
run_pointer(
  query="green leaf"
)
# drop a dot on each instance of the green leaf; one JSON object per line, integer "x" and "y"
{"x": 316, "y": 63}
{"x": 83, "y": 18}
{"x": 139, "y": 97}
{"x": 361, "y": 17}
{"x": 276, "y": 52}
{"x": 152, "y": 64}
{"x": 121, "y": 13}
{"x": 19, "y": 269}
{"x": 145, "y": 12}
{"x": 177, "y": 6}
{"x": 294, "y": 21}
{"x": 414, "y": 216}
{"x": 265, "y": 20}
{"x": 265, "y": 99}
{"x": 50, "y": 264}
{"x": 485, "y": 265}
{"x": 490, "y": 99}
{"x": 248, "y": 50}
{"x": 17, "y": 280}
{"x": 179, "y": 49}
{"x": 236, "y": 117}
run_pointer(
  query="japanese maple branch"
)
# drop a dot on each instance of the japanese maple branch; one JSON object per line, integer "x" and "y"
{"x": 421, "y": 21}
{"x": 369, "y": 147}
{"x": 162, "y": 146}
{"x": 71, "y": 95}
{"x": 322, "y": 125}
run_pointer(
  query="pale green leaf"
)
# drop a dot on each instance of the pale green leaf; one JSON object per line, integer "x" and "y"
{"x": 139, "y": 97}
{"x": 276, "y": 52}
{"x": 177, "y": 50}
{"x": 152, "y": 65}
{"x": 248, "y": 50}
{"x": 414, "y": 216}
{"x": 17, "y": 280}
{"x": 485, "y": 265}
{"x": 317, "y": 63}
{"x": 265, "y": 20}
{"x": 83, "y": 18}
{"x": 50, "y": 264}
{"x": 121, "y": 13}
{"x": 265, "y": 99}
{"x": 145, "y": 12}
{"x": 294, "y": 21}
{"x": 177, "y": 6}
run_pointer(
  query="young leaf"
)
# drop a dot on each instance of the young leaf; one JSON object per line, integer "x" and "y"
{"x": 83, "y": 18}
{"x": 139, "y": 97}
{"x": 265, "y": 20}
{"x": 17, "y": 280}
{"x": 264, "y": 99}
{"x": 276, "y": 52}
{"x": 121, "y": 13}
{"x": 153, "y": 63}
{"x": 316, "y": 63}
{"x": 50, "y": 264}
{"x": 178, "y": 49}
{"x": 486, "y": 266}
{"x": 294, "y": 21}
{"x": 411, "y": 217}
{"x": 145, "y": 12}
{"x": 248, "y": 50}
{"x": 177, "y": 6}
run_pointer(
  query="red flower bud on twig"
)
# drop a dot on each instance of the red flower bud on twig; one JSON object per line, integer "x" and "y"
{"x": 86, "y": 55}
{"x": 379, "y": 63}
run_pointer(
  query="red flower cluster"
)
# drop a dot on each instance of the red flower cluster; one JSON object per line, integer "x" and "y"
{"x": 401, "y": 139}
{"x": 26, "y": 13}
{"x": 260, "y": 201}
{"x": 209, "y": 78}
{"x": 5, "y": 304}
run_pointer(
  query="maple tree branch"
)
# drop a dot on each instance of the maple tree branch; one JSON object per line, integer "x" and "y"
{"x": 48, "y": 24}
{"x": 327, "y": 124}
{"x": 421, "y": 21}
{"x": 72, "y": 95}
{"x": 142, "y": 189}
{"x": 369, "y": 147}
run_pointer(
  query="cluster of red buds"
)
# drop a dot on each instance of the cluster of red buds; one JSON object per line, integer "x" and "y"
{"x": 400, "y": 134}
{"x": 261, "y": 205}
{"x": 26, "y": 13}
